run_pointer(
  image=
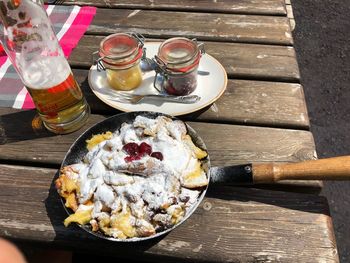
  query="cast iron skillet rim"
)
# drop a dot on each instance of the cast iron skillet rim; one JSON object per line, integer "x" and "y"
{"x": 130, "y": 117}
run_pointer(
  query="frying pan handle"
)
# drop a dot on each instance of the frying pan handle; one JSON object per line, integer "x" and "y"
{"x": 238, "y": 174}
{"x": 336, "y": 168}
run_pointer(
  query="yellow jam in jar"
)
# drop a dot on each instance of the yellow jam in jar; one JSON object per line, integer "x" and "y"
{"x": 121, "y": 55}
{"x": 125, "y": 79}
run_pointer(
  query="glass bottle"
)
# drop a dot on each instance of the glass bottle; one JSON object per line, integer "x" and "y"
{"x": 32, "y": 47}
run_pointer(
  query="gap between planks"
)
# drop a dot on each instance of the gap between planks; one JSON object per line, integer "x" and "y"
{"x": 219, "y": 27}
{"x": 241, "y": 61}
{"x": 246, "y": 7}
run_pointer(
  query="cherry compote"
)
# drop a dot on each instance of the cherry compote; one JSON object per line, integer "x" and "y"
{"x": 136, "y": 152}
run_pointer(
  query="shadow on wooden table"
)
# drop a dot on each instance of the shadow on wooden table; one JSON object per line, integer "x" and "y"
{"x": 238, "y": 205}
{"x": 21, "y": 126}
{"x": 310, "y": 203}
{"x": 76, "y": 239}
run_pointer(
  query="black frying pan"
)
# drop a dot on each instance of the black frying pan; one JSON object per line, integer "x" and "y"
{"x": 327, "y": 169}
{"x": 78, "y": 150}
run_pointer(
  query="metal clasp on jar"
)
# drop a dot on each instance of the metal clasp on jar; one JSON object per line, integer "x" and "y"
{"x": 200, "y": 46}
{"x": 97, "y": 60}
{"x": 161, "y": 72}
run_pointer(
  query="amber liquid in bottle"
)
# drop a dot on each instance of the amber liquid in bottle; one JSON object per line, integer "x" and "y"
{"x": 58, "y": 98}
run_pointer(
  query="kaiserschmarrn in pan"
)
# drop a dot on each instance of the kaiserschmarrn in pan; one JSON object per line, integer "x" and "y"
{"x": 135, "y": 182}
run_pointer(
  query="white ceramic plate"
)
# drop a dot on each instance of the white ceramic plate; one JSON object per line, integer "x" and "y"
{"x": 212, "y": 81}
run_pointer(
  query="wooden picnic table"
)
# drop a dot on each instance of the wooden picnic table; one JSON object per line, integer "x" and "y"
{"x": 261, "y": 117}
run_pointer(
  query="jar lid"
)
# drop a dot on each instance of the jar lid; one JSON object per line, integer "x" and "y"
{"x": 120, "y": 49}
{"x": 179, "y": 53}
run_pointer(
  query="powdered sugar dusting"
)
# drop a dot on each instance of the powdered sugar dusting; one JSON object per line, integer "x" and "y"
{"x": 145, "y": 195}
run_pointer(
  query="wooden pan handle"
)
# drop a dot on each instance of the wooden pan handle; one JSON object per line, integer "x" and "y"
{"x": 337, "y": 168}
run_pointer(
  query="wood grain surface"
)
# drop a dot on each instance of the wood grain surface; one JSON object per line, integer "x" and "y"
{"x": 208, "y": 26}
{"x": 227, "y": 144}
{"x": 253, "y": 41}
{"x": 272, "y": 104}
{"x": 260, "y": 103}
{"x": 231, "y": 225}
{"x": 248, "y": 61}
{"x": 266, "y": 7}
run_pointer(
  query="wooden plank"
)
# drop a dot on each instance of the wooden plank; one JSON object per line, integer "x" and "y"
{"x": 248, "y": 61}
{"x": 260, "y": 103}
{"x": 231, "y": 225}
{"x": 266, "y": 7}
{"x": 22, "y": 147}
{"x": 217, "y": 27}
{"x": 290, "y": 16}
{"x": 241, "y": 143}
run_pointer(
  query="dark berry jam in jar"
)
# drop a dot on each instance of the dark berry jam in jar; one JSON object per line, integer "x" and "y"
{"x": 178, "y": 59}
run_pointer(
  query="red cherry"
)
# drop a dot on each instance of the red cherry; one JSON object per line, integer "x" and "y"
{"x": 138, "y": 157}
{"x": 131, "y": 148}
{"x": 157, "y": 155}
{"x": 145, "y": 149}
{"x": 129, "y": 159}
